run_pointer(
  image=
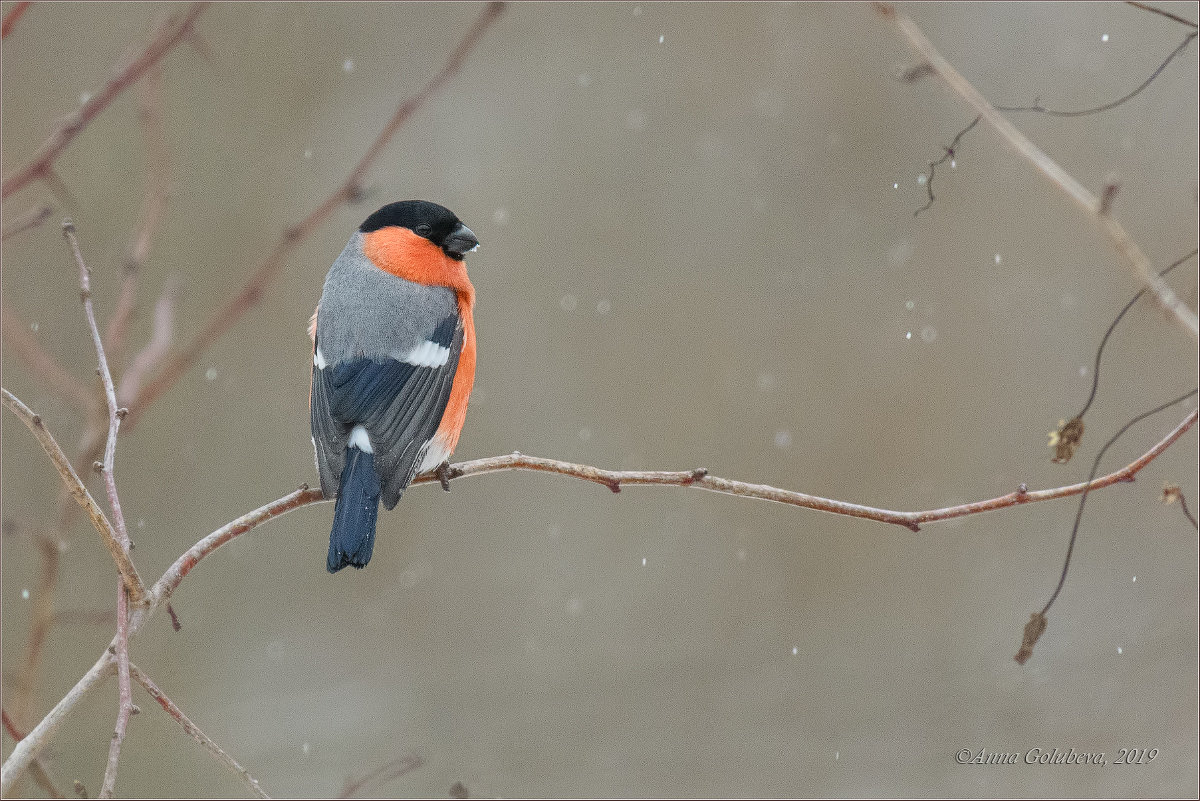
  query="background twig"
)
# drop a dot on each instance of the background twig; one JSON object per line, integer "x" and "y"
{"x": 1120, "y": 239}
{"x": 170, "y": 34}
{"x": 154, "y": 205}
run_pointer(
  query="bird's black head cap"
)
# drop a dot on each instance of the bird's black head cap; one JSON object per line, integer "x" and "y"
{"x": 436, "y": 223}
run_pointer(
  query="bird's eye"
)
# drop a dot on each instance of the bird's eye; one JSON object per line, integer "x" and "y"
{"x": 423, "y": 229}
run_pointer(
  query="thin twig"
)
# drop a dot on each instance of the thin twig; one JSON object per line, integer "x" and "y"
{"x": 1160, "y": 12}
{"x": 115, "y": 413}
{"x": 193, "y": 731}
{"x": 1040, "y": 109}
{"x": 124, "y": 688}
{"x": 27, "y": 221}
{"x": 1187, "y": 512}
{"x": 42, "y": 366}
{"x": 1104, "y": 341}
{"x": 1062, "y": 579}
{"x": 253, "y": 291}
{"x": 1120, "y": 239}
{"x": 168, "y": 35}
{"x": 387, "y": 772}
{"x": 129, "y": 574}
{"x": 951, "y": 150}
{"x": 925, "y": 69}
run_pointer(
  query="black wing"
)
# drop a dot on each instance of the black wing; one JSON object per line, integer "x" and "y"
{"x": 399, "y": 404}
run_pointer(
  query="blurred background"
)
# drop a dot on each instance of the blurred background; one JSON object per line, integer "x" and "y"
{"x": 699, "y": 249}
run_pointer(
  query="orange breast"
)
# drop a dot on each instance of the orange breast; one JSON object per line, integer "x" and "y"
{"x": 414, "y": 258}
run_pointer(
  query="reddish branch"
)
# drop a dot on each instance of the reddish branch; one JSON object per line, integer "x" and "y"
{"x": 165, "y": 586}
{"x": 193, "y": 731}
{"x": 172, "y": 32}
{"x": 252, "y": 292}
{"x": 615, "y": 480}
{"x": 12, "y": 17}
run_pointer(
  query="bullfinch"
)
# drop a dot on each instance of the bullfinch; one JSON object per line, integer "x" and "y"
{"x": 393, "y": 364}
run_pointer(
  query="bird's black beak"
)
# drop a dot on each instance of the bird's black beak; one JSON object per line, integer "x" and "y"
{"x": 462, "y": 240}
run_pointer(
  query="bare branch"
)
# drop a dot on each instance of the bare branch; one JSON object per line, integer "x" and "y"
{"x": 129, "y": 574}
{"x": 158, "y": 164}
{"x": 353, "y": 185}
{"x": 169, "y": 34}
{"x": 165, "y": 586}
{"x": 41, "y": 617}
{"x": 193, "y": 731}
{"x": 125, "y": 691}
{"x": 1120, "y": 239}
{"x": 252, "y": 292}
{"x": 699, "y": 479}
{"x": 387, "y": 772}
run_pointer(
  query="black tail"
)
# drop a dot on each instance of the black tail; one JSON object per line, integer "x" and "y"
{"x": 353, "y": 535}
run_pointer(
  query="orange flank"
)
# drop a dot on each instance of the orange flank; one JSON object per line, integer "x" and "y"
{"x": 407, "y": 255}
{"x": 460, "y": 392}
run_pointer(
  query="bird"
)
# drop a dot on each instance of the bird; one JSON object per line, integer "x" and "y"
{"x": 393, "y": 365}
